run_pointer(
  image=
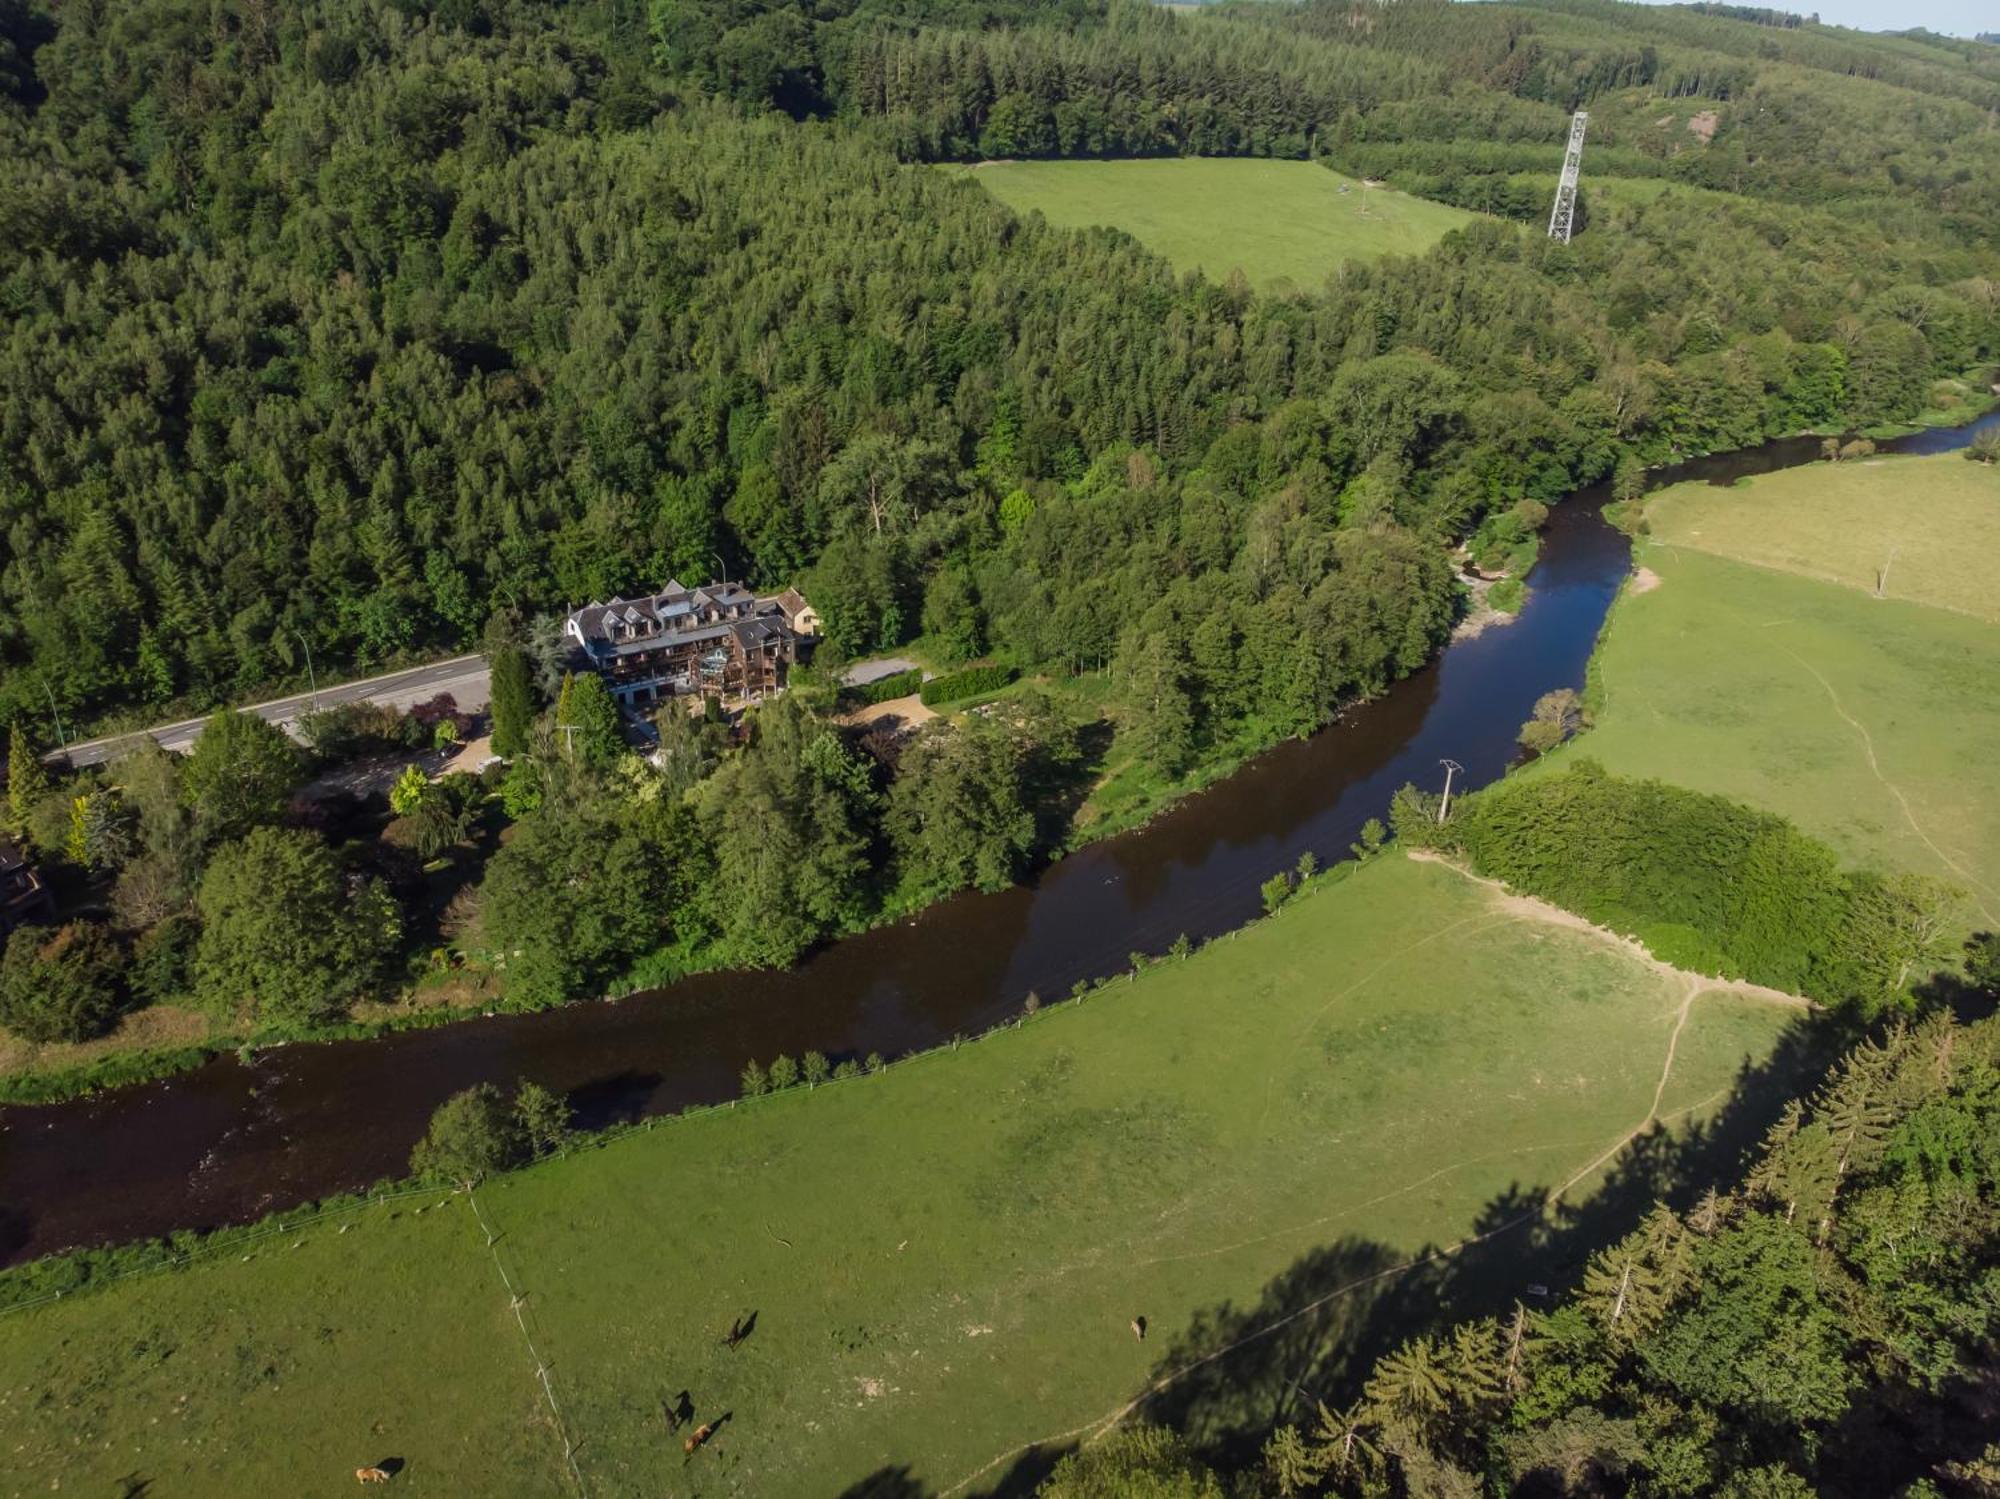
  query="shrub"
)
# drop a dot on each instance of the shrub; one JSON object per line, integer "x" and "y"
{"x": 1276, "y": 891}
{"x": 1507, "y": 596}
{"x": 1558, "y": 715}
{"x": 472, "y": 1135}
{"x": 875, "y": 1062}
{"x": 60, "y": 983}
{"x": 974, "y": 680}
{"x": 543, "y": 1117}
{"x": 162, "y": 966}
{"x": 410, "y": 791}
{"x": 1373, "y": 835}
{"x": 886, "y": 689}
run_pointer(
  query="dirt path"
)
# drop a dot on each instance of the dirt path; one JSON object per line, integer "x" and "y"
{"x": 1510, "y": 904}
{"x": 1875, "y": 768}
{"x": 1529, "y": 908}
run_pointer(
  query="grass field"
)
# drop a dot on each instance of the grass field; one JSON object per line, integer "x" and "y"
{"x": 1870, "y": 723}
{"x": 1934, "y": 522}
{"x": 943, "y": 1260}
{"x": 1284, "y": 223}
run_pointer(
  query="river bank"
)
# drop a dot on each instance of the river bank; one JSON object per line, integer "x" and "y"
{"x": 239, "y": 1137}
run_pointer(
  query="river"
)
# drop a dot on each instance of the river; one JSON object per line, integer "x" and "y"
{"x": 231, "y": 1141}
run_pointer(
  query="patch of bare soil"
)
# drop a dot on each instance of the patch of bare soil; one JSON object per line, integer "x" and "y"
{"x": 1645, "y": 580}
{"x": 1702, "y": 125}
{"x": 902, "y": 712}
{"x": 473, "y": 756}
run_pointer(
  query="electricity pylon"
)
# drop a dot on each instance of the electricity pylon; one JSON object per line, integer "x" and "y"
{"x": 1565, "y": 209}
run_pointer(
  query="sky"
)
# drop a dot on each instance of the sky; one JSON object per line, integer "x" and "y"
{"x": 1953, "y": 17}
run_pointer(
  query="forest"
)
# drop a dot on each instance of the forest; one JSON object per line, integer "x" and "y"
{"x": 361, "y": 330}
{"x": 1821, "y": 1326}
{"x": 344, "y": 328}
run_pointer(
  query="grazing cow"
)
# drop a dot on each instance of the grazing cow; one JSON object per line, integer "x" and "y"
{"x": 701, "y": 1434}
{"x": 372, "y": 1475}
{"x": 1139, "y": 1328}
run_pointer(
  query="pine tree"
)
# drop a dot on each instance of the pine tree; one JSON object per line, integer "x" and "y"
{"x": 27, "y": 779}
{"x": 1630, "y": 1286}
{"x": 513, "y": 701}
{"x": 1857, "y": 1111}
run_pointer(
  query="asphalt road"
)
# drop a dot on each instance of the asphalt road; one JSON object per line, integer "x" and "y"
{"x": 464, "y": 678}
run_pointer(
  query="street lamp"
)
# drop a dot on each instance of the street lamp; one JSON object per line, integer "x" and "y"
{"x": 721, "y": 564}
{"x": 310, "y": 676}
{"x": 61, "y": 742}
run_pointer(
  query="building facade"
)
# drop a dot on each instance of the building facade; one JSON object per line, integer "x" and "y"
{"x": 23, "y": 896}
{"x": 716, "y": 640}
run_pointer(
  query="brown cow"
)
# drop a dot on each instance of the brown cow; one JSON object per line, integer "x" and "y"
{"x": 372, "y": 1475}
{"x": 701, "y": 1434}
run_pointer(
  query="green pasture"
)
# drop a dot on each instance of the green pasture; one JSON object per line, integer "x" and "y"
{"x": 1931, "y": 524}
{"x": 1871, "y": 723}
{"x": 1283, "y": 223}
{"x": 944, "y": 1260}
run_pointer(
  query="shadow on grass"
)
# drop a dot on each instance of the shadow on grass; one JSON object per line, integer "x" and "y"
{"x": 1319, "y": 1326}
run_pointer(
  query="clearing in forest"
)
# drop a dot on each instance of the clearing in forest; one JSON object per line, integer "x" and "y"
{"x": 1286, "y": 224}
{"x": 1927, "y": 528}
{"x": 1868, "y": 722}
{"x": 1296, "y": 1144}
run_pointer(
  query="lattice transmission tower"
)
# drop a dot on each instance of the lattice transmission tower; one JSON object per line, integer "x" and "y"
{"x": 1565, "y": 209}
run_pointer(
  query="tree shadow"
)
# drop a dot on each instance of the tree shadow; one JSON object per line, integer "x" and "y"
{"x": 1029, "y": 1471}
{"x": 1057, "y": 784}
{"x": 1319, "y": 1326}
{"x": 887, "y": 1483}
{"x": 618, "y": 1099}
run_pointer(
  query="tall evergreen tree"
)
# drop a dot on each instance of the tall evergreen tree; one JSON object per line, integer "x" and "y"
{"x": 513, "y": 701}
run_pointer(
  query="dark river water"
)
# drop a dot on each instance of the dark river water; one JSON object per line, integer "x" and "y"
{"x": 231, "y": 1141}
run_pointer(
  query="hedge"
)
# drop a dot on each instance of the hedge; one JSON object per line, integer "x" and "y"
{"x": 1706, "y": 882}
{"x": 886, "y": 689}
{"x": 968, "y": 683}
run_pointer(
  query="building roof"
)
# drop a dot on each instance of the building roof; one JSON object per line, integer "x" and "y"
{"x": 675, "y": 617}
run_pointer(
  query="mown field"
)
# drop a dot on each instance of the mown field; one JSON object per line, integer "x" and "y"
{"x": 1278, "y": 221}
{"x": 943, "y": 1261}
{"x": 1869, "y": 722}
{"x": 1932, "y": 523}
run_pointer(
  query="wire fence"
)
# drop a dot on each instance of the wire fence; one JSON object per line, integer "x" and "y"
{"x": 227, "y": 1239}
{"x": 515, "y": 1301}
{"x": 214, "y": 1247}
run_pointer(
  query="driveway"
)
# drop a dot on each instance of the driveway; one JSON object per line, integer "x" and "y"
{"x": 861, "y": 673}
